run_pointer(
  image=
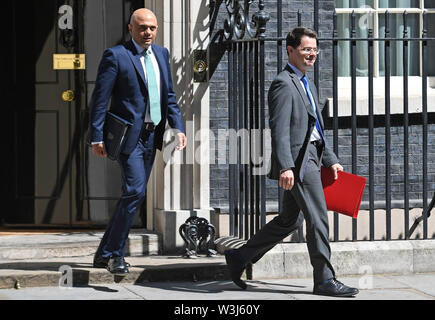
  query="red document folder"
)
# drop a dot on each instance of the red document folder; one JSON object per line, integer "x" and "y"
{"x": 343, "y": 195}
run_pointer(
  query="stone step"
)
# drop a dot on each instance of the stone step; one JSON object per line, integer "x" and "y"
{"x": 78, "y": 271}
{"x": 72, "y": 244}
{"x": 291, "y": 260}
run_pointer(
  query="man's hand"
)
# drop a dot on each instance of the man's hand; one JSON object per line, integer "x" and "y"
{"x": 335, "y": 168}
{"x": 99, "y": 150}
{"x": 286, "y": 180}
{"x": 182, "y": 140}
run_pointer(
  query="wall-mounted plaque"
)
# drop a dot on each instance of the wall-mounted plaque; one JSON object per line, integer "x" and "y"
{"x": 68, "y": 61}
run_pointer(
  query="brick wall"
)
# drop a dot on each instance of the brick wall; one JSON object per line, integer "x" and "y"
{"x": 397, "y": 179}
{"x": 219, "y": 184}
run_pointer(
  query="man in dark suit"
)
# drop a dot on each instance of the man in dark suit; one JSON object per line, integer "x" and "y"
{"x": 137, "y": 77}
{"x": 298, "y": 151}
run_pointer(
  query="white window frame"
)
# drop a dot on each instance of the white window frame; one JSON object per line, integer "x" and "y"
{"x": 415, "y": 82}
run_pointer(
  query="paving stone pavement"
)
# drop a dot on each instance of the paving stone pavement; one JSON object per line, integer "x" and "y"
{"x": 373, "y": 287}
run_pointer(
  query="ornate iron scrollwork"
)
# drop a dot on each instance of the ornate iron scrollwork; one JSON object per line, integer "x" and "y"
{"x": 67, "y": 38}
{"x": 240, "y": 22}
{"x": 195, "y": 232}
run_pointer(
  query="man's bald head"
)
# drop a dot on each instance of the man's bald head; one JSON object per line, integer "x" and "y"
{"x": 139, "y": 13}
{"x": 143, "y": 27}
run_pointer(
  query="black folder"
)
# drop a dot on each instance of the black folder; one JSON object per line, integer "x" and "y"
{"x": 115, "y": 130}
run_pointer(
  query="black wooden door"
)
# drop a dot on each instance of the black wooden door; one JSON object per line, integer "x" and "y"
{"x": 44, "y": 129}
{"x": 45, "y": 157}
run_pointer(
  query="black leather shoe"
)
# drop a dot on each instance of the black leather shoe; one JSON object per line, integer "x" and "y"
{"x": 117, "y": 266}
{"x": 334, "y": 288}
{"x": 235, "y": 267}
{"x": 101, "y": 262}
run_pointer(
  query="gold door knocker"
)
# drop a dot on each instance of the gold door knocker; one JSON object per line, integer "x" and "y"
{"x": 199, "y": 66}
{"x": 68, "y": 95}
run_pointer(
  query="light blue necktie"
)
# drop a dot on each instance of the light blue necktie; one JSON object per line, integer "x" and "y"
{"x": 307, "y": 88}
{"x": 153, "y": 91}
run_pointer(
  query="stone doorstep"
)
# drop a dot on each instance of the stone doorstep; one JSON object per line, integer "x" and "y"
{"x": 40, "y": 273}
{"x": 29, "y": 247}
{"x": 288, "y": 260}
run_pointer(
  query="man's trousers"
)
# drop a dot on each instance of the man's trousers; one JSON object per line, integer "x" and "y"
{"x": 305, "y": 200}
{"x": 135, "y": 169}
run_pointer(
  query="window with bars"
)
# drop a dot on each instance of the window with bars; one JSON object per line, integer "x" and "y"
{"x": 371, "y": 14}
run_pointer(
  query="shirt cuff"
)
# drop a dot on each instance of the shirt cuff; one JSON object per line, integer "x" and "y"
{"x": 97, "y": 142}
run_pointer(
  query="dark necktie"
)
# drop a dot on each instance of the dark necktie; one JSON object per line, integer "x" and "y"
{"x": 307, "y": 88}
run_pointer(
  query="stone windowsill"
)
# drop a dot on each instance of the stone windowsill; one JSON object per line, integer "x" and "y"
{"x": 415, "y": 92}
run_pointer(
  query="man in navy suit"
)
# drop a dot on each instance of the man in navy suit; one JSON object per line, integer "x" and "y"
{"x": 136, "y": 76}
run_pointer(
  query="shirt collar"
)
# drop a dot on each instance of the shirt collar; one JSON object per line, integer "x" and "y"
{"x": 296, "y": 70}
{"x": 139, "y": 48}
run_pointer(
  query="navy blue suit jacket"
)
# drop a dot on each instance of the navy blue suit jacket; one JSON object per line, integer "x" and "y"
{"x": 121, "y": 77}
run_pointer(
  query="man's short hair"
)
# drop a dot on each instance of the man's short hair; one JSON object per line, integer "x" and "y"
{"x": 294, "y": 37}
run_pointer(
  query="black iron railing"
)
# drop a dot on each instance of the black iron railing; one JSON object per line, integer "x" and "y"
{"x": 247, "y": 111}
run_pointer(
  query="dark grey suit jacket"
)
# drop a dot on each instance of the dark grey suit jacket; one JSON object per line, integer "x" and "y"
{"x": 292, "y": 120}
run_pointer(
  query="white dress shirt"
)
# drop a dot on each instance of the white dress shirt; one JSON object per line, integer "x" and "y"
{"x": 315, "y": 135}
{"x": 153, "y": 60}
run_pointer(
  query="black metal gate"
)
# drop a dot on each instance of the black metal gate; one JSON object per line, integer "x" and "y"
{"x": 246, "y": 42}
{"x": 246, "y": 96}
